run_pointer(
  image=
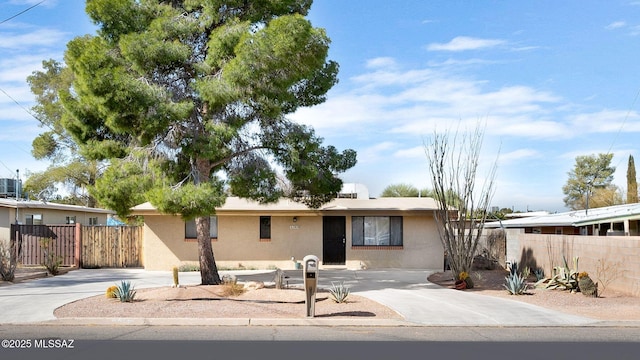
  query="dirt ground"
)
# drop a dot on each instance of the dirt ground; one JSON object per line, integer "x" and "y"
{"x": 211, "y": 302}
{"x": 610, "y": 306}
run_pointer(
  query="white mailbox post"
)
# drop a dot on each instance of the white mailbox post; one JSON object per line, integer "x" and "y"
{"x": 310, "y": 274}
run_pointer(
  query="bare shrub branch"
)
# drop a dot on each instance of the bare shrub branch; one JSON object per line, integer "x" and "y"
{"x": 453, "y": 163}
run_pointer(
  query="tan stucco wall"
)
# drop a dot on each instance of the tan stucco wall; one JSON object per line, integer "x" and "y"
{"x": 238, "y": 244}
{"x": 421, "y": 248}
{"x": 616, "y": 258}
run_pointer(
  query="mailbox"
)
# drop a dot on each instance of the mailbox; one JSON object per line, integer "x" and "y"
{"x": 310, "y": 275}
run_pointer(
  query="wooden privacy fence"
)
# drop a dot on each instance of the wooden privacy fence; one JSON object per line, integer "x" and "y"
{"x": 79, "y": 245}
{"x": 36, "y": 241}
{"x": 111, "y": 246}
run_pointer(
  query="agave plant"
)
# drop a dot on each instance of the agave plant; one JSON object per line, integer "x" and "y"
{"x": 564, "y": 278}
{"x": 125, "y": 291}
{"x": 539, "y": 273}
{"x": 515, "y": 284}
{"x": 339, "y": 292}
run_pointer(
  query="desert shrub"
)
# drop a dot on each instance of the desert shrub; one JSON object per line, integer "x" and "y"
{"x": 8, "y": 261}
{"x": 111, "y": 292}
{"x": 51, "y": 261}
{"x": 339, "y": 292}
{"x": 515, "y": 284}
{"x": 606, "y": 272}
{"x": 564, "y": 278}
{"x": 232, "y": 288}
{"x": 189, "y": 267}
{"x": 125, "y": 291}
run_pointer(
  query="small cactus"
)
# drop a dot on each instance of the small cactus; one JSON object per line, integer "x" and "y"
{"x": 111, "y": 292}
{"x": 176, "y": 282}
{"x": 587, "y": 286}
{"x": 469, "y": 282}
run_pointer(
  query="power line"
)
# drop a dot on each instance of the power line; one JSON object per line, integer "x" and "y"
{"x": 29, "y": 112}
{"x": 21, "y": 12}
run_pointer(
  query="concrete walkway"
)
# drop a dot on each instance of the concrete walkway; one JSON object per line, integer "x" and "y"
{"x": 406, "y": 291}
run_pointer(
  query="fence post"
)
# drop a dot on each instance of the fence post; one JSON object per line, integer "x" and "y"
{"x": 78, "y": 244}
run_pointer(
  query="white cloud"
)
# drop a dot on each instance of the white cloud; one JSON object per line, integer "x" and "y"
{"x": 411, "y": 153}
{"x": 411, "y": 103}
{"x": 18, "y": 68}
{"x": 518, "y": 155}
{"x": 606, "y": 121}
{"x": 39, "y": 37}
{"x": 462, "y": 43}
{"x": 616, "y": 25}
{"x": 458, "y": 63}
{"x": 12, "y": 111}
{"x": 381, "y": 62}
{"x": 373, "y": 153}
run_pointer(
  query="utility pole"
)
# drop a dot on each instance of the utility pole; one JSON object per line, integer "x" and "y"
{"x": 18, "y": 184}
{"x": 17, "y": 195}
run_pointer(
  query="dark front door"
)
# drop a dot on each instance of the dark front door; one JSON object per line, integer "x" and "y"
{"x": 334, "y": 240}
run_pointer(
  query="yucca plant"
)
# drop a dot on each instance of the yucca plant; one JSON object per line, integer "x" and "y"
{"x": 125, "y": 291}
{"x": 515, "y": 284}
{"x": 339, "y": 292}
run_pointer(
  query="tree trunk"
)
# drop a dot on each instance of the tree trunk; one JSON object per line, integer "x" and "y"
{"x": 208, "y": 269}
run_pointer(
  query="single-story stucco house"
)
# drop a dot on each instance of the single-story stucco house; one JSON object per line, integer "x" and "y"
{"x": 29, "y": 212}
{"x": 351, "y": 232}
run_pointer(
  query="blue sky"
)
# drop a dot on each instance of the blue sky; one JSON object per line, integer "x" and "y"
{"x": 551, "y": 80}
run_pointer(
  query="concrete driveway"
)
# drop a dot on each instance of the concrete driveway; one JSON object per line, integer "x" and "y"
{"x": 406, "y": 291}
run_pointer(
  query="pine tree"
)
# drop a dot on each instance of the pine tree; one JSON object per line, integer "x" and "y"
{"x": 187, "y": 101}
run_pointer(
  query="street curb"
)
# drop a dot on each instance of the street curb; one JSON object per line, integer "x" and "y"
{"x": 346, "y": 322}
{"x": 229, "y": 322}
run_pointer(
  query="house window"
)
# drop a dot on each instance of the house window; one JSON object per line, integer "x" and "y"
{"x": 376, "y": 231}
{"x": 93, "y": 221}
{"x": 265, "y": 227}
{"x": 190, "y": 228}
{"x": 71, "y": 219}
{"x": 558, "y": 231}
{"x": 33, "y": 219}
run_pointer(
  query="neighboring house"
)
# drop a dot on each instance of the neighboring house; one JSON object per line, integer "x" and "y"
{"x": 27, "y": 212}
{"x": 351, "y": 232}
{"x": 611, "y": 220}
{"x": 619, "y": 220}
